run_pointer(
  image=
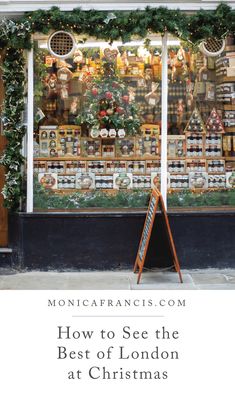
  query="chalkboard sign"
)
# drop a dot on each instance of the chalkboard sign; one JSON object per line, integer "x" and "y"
{"x": 155, "y": 201}
{"x": 148, "y": 226}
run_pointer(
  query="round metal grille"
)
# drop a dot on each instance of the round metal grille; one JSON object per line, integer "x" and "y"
{"x": 212, "y": 46}
{"x": 61, "y": 44}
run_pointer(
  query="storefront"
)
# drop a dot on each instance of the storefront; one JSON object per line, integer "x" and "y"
{"x": 119, "y": 102}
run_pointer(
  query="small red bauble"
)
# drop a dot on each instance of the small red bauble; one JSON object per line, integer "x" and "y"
{"x": 115, "y": 85}
{"x": 108, "y": 95}
{"x": 94, "y": 91}
{"x": 119, "y": 110}
{"x": 103, "y": 113}
{"x": 125, "y": 98}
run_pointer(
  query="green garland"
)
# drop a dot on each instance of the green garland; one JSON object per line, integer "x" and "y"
{"x": 12, "y": 159}
{"x": 121, "y": 25}
{"x": 16, "y": 36}
{"x": 45, "y": 199}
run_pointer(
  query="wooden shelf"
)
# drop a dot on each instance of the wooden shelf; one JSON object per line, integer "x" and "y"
{"x": 229, "y": 129}
{"x": 229, "y": 48}
{"x": 206, "y": 158}
{"x": 230, "y": 158}
{"x": 132, "y": 76}
{"x": 222, "y": 79}
{"x": 132, "y": 158}
{"x": 229, "y": 107}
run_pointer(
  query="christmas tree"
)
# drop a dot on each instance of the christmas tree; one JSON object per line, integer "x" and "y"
{"x": 214, "y": 123}
{"x": 109, "y": 104}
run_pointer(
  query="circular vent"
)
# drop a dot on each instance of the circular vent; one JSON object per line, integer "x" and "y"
{"x": 61, "y": 44}
{"x": 212, "y": 47}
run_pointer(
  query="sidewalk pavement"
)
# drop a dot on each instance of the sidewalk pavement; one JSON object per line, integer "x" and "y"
{"x": 156, "y": 279}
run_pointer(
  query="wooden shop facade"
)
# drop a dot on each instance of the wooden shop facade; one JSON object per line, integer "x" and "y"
{"x": 99, "y": 106}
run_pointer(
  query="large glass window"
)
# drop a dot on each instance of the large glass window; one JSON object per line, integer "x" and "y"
{"x": 201, "y": 145}
{"x": 97, "y": 125}
{"x": 97, "y": 139}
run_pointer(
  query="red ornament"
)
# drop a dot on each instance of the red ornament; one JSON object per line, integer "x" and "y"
{"x": 115, "y": 85}
{"x": 108, "y": 95}
{"x": 94, "y": 91}
{"x": 125, "y": 99}
{"x": 119, "y": 110}
{"x": 103, "y": 113}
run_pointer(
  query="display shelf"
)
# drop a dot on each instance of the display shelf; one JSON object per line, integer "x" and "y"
{"x": 229, "y": 158}
{"x": 229, "y": 48}
{"x": 222, "y": 79}
{"x": 99, "y": 158}
{"x": 230, "y": 129}
{"x": 131, "y": 76}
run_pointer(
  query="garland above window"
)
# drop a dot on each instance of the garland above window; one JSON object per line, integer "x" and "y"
{"x": 120, "y": 24}
{"x": 15, "y": 36}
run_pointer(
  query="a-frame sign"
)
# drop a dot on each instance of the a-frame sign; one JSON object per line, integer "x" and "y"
{"x": 155, "y": 201}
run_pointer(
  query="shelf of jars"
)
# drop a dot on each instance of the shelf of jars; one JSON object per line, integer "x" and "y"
{"x": 65, "y": 160}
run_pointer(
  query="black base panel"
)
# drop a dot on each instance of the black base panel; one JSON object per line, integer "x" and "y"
{"x": 109, "y": 241}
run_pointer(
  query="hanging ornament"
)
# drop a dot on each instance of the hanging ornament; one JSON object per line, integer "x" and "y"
{"x": 64, "y": 74}
{"x": 119, "y": 110}
{"x": 125, "y": 99}
{"x": 103, "y": 113}
{"x": 131, "y": 92}
{"x": 64, "y": 91}
{"x": 78, "y": 56}
{"x": 111, "y": 54}
{"x": 39, "y": 115}
{"x": 108, "y": 95}
{"x": 143, "y": 52}
{"x": 74, "y": 106}
{"x": 179, "y": 64}
{"x": 109, "y": 17}
{"x": 153, "y": 97}
{"x": 109, "y": 111}
{"x": 180, "y": 112}
{"x": 94, "y": 91}
{"x": 51, "y": 84}
{"x": 189, "y": 93}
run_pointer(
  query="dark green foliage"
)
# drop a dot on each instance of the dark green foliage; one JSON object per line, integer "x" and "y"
{"x": 48, "y": 200}
{"x": 12, "y": 159}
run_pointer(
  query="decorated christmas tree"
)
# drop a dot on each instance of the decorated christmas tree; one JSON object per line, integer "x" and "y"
{"x": 195, "y": 123}
{"x": 109, "y": 104}
{"x": 214, "y": 123}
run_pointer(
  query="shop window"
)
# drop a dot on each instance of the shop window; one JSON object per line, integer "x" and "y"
{"x": 201, "y": 113}
{"x": 97, "y": 139}
{"x": 97, "y": 126}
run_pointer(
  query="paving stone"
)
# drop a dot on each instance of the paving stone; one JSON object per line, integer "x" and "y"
{"x": 30, "y": 281}
{"x": 230, "y": 278}
{"x": 98, "y": 281}
{"x": 7, "y": 271}
{"x": 154, "y": 280}
{"x": 168, "y": 287}
{"x": 161, "y": 277}
{"x": 208, "y": 278}
{"x": 216, "y": 287}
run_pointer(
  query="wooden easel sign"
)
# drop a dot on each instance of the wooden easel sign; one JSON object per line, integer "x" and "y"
{"x": 155, "y": 201}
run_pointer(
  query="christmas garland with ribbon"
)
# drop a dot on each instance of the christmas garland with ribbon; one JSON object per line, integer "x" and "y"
{"x": 15, "y": 36}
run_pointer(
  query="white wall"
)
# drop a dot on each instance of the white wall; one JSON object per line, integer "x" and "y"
{"x": 15, "y": 7}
